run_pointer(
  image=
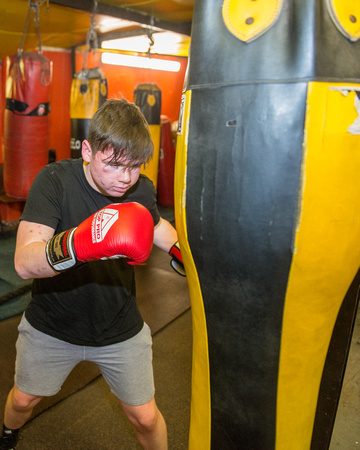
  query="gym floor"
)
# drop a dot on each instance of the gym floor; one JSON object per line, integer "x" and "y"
{"x": 346, "y": 432}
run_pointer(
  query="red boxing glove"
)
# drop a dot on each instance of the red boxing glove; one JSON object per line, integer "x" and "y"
{"x": 123, "y": 230}
{"x": 176, "y": 259}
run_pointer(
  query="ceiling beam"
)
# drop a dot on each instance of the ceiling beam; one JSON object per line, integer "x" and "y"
{"x": 125, "y": 14}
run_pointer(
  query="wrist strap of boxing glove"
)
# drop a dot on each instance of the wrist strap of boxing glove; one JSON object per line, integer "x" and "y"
{"x": 60, "y": 251}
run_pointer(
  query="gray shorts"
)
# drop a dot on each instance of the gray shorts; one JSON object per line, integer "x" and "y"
{"x": 44, "y": 362}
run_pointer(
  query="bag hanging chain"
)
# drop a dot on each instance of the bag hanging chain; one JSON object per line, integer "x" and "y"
{"x": 150, "y": 35}
{"x": 33, "y": 5}
{"x": 91, "y": 36}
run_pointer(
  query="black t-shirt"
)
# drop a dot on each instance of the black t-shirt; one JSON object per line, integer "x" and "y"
{"x": 93, "y": 304}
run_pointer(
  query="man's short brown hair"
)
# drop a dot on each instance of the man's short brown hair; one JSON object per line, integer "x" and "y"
{"x": 120, "y": 126}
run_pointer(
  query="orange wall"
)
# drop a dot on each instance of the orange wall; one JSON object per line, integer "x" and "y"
{"x": 125, "y": 80}
{"x": 122, "y": 81}
{"x": 59, "y": 132}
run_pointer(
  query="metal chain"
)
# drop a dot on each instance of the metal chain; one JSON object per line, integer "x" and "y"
{"x": 33, "y": 5}
{"x": 37, "y": 24}
{"x": 91, "y": 36}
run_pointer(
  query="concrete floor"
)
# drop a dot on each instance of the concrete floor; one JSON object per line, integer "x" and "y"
{"x": 346, "y": 432}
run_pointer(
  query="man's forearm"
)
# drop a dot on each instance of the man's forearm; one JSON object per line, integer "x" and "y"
{"x": 31, "y": 262}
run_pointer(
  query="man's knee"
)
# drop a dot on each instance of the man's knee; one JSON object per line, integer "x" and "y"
{"x": 144, "y": 417}
{"x": 22, "y": 401}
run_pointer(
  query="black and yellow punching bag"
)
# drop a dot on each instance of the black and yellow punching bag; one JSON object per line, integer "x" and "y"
{"x": 147, "y": 96}
{"x": 267, "y": 192}
{"x": 26, "y": 124}
{"x": 88, "y": 92}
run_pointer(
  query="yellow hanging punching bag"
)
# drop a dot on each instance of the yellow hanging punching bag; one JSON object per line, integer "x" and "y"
{"x": 147, "y": 96}
{"x": 267, "y": 192}
{"x": 88, "y": 93}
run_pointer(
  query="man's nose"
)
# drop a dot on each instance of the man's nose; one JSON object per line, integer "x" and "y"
{"x": 125, "y": 175}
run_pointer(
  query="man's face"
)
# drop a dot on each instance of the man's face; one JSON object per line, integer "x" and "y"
{"x": 105, "y": 177}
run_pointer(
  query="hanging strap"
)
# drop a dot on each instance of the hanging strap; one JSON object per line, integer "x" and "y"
{"x": 91, "y": 37}
{"x": 33, "y": 5}
{"x": 146, "y": 73}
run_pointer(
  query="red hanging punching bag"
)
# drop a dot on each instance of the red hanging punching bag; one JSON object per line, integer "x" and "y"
{"x": 165, "y": 187}
{"x": 26, "y": 128}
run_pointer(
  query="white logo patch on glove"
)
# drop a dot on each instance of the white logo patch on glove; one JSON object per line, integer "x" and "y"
{"x": 102, "y": 222}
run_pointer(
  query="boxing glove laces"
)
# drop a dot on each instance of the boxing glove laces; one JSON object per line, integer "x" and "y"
{"x": 123, "y": 230}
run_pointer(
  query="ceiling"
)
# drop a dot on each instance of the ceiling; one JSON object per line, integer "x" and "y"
{"x": 64, "y": 24}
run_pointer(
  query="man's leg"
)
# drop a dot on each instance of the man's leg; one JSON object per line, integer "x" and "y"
{"x": 18, "y": 408}
{"x": 149, "y": 424}
{"x": 127, "y": 368}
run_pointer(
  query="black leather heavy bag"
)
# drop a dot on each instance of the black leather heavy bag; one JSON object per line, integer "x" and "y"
{"x": 267, "y": 192}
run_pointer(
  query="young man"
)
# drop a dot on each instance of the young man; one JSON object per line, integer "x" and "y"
{"x": 85, "y": 224}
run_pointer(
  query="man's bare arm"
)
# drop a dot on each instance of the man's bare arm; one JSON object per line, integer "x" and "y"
{"x": 30, "y": 256}
{"x": 165, "y": 235}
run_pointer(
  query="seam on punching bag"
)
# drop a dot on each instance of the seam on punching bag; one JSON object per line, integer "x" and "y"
{"x": 273, "y": 81}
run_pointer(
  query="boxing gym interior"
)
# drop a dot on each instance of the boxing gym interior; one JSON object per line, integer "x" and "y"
{"x": 254, "y": 112}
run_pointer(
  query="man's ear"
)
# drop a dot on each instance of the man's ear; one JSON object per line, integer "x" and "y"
{"x": 86, "y": 151}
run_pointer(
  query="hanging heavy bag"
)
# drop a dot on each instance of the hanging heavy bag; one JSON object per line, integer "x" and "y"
{"x": 88, "y": 93}
{"x": 26, "y": 131}
{"x": 26, "y": 124}
{"x": 165, "y": 187}
{"x": 147, "y": 97}
{"x": 267, "y": 188}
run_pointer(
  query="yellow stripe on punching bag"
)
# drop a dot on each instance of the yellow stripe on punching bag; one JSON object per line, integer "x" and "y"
{"x": 88, "y": 92}
{"x": 147, "y": 97}
{"x": 200, "y": 405}
{"x": 326, "y": 256}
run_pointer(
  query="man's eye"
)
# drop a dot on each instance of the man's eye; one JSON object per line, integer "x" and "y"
{"x": 115, "y": 167}
{"x": 123, "y": 168}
